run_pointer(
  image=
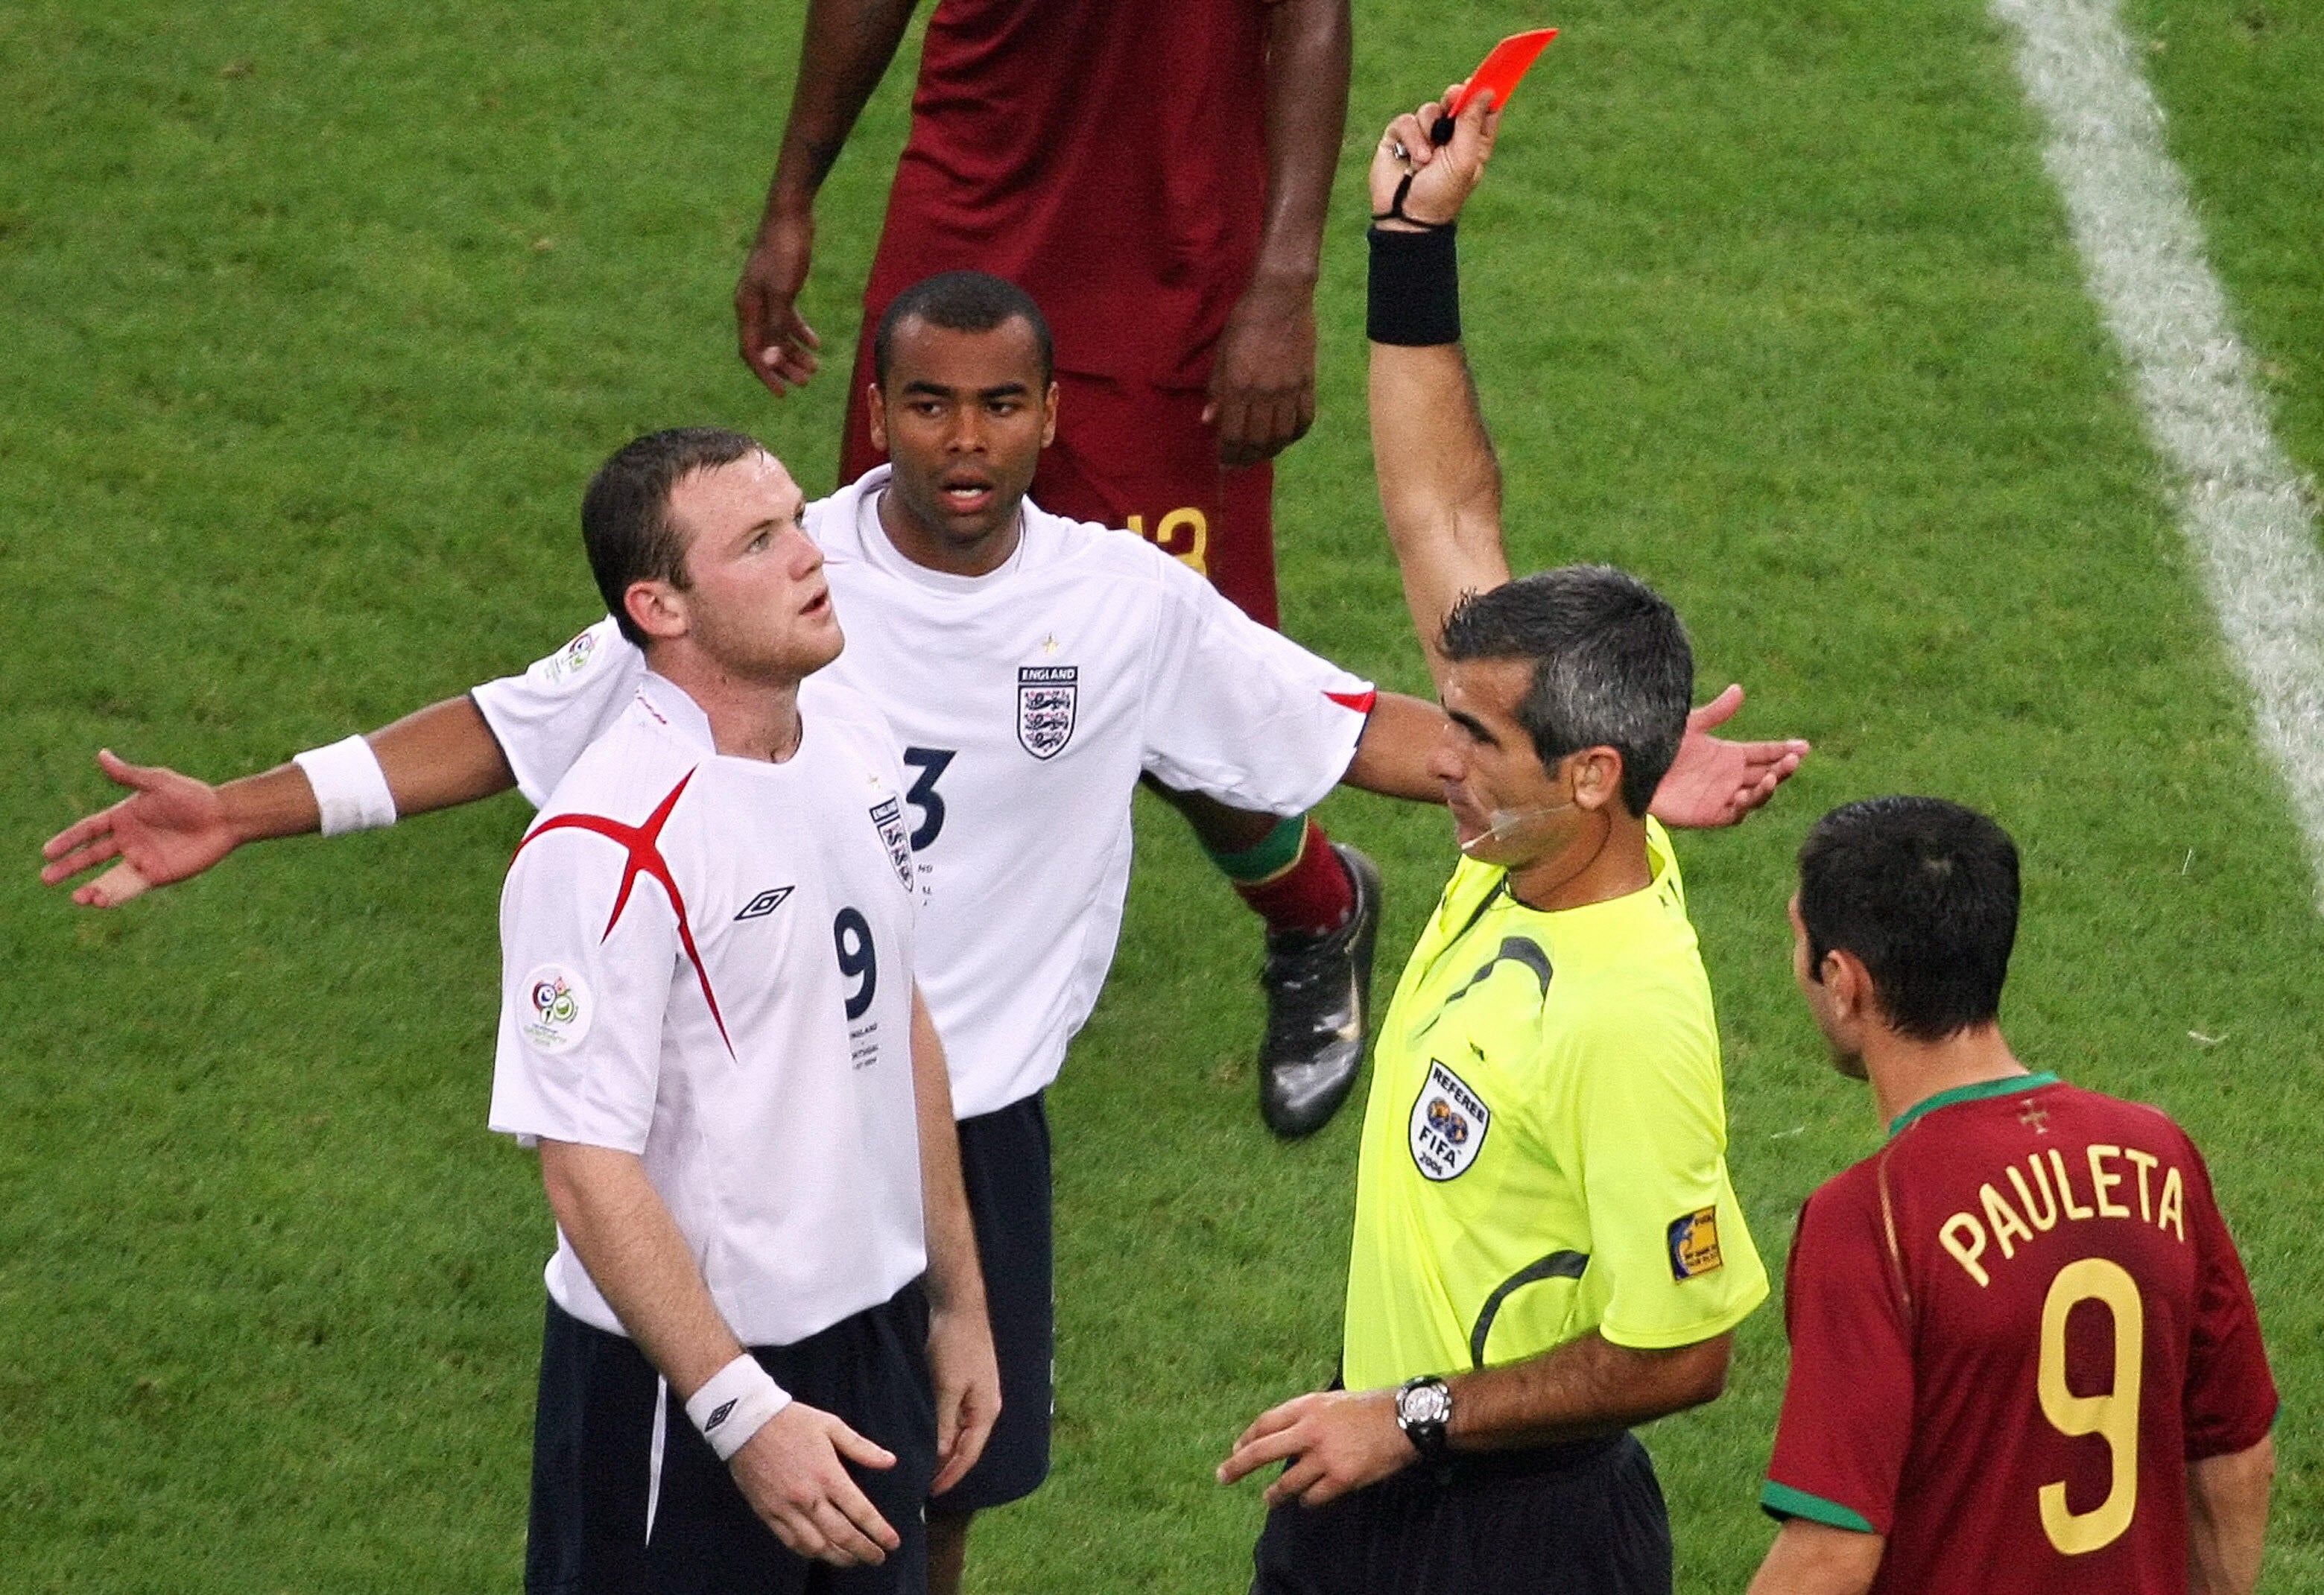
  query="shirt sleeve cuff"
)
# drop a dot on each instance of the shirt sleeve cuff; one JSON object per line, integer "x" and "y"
{"x": 1781, "y": 1501}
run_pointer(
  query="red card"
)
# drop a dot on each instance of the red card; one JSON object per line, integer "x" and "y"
{"x": 1501, "y": 69}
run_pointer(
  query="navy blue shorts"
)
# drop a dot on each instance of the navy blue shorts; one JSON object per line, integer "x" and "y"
{"x": 628, "y": 1499}
{"x": 1004, "y": 1161}
{"x": 1581, "y": 1519}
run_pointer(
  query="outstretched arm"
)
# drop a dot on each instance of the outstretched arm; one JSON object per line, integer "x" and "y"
{"x": 1440, "y": 483}
{"x": 845, "y": 52}
{"x": 171, "y": 826}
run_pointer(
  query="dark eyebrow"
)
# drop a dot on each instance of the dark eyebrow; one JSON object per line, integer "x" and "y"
{"x": 938, "y": 391}
{"x": 1473, "y": 726}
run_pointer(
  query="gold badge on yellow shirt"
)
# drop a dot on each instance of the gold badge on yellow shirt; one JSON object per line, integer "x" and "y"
{"x": 1694, "y": 1243}
{"x": 1449, "y": 1121}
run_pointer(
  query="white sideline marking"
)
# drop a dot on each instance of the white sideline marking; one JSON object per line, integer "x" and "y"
{"x": 2241, "y": 503}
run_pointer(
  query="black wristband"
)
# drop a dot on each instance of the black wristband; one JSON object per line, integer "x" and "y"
{"x": 1415, "y": 296}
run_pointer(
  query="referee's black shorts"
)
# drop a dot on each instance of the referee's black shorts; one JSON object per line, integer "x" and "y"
{"x": 1004, "y": 1162}
{"x": 1583, "y": 1520}
{"x": 628, "y": 1499}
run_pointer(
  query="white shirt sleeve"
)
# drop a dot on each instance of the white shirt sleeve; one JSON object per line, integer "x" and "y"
{"x": 580, "y": 1047}
{"x": 546, "y": 717}
{"x": 1241, "y": 711}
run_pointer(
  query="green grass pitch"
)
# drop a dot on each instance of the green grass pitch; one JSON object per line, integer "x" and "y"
{"x": 316, "y": 317}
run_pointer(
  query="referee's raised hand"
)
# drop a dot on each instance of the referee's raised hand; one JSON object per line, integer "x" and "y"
{"x": 791, "y": 1473}
{"x": 1416, "y": 185}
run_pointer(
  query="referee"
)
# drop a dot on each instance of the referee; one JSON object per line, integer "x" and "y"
{"x": 1547, "y": 1249}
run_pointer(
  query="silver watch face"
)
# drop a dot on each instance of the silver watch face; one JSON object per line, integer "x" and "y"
{"x": 1424, "y": 1404}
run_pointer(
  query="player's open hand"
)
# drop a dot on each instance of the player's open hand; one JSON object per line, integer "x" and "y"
{"x": 169, "y": 827}
{"x": 776, "y": 343}
{"x": 1337, "y": 1441}
{"x": 1434, "y": 182}
{"x": 1715, "y": 782}
{"x": 1263, "y": 378}
{"x": 967, "y": 1380}
{"x": 791, "y": 1474}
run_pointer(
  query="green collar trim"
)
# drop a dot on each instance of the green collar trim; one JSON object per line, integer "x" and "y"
{"x": 1781, "y": 1501}
{"x": 2005, "y": 1086}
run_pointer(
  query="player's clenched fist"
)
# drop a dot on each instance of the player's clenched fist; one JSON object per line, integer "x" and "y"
{"x": 791, "y": 1474}
{"x": 1423, "y": 184}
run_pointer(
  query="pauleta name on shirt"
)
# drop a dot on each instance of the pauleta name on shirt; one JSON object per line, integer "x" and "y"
{"x": 1968, "y": 1236}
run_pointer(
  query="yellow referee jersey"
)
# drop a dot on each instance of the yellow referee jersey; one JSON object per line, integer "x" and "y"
{"x": 1545, "y": 1147}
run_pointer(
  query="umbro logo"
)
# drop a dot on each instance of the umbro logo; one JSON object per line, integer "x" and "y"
{"x": 765, "y": 903}
{"x": 719, "y": 1417}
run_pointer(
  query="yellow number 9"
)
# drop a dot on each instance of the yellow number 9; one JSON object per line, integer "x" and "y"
{"x": 2113, "y": 1414}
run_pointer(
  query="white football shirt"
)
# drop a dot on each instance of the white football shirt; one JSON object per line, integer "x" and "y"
{"x": 1025, "y": 704}
{"x": 706, "y": 961}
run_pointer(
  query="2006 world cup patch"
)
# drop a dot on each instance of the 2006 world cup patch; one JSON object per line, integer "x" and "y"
{"x": 568, "y": 660}
{"x": 1449, "y": 1123}
{"x": 1694, "y": 1241}
{"x": 554, "y": 1009}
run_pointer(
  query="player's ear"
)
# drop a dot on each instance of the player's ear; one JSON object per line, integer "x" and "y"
{"x": 657, "y": 609}
{"x": 875, "y": 411}
{"x": 1597, "y": 778}
{"x": 1850, "y": 985}
{"x": 1049, "y": 415}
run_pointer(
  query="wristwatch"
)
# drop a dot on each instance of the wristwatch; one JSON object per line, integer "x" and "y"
{"x": 1424, "y": 1406}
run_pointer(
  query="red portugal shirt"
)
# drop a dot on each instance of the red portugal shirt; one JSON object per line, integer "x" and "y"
{"x": 2012, "y": 1329}
{"x": 1107, "y": 156}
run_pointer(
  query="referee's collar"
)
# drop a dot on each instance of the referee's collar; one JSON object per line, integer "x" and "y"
{"x": 1975, "y": 1091}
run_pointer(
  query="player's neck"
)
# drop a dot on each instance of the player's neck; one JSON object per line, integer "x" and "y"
{"x": 933, "y": 549}
{"x": 1907, "y": 1072}
{"x": 749, "y": 718}
{"x": 1604, "y": 861}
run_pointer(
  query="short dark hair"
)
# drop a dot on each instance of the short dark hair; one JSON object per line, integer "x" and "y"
{"x": 962, "y": 301}
{"x": 1611, "y": 666}
{"x": 625, "y": 513}
{"x": 1925, "y": 893}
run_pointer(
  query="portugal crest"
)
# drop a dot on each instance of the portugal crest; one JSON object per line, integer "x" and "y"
{"x": 1449, "y": 1123}
{"x": 1046, "y": 698}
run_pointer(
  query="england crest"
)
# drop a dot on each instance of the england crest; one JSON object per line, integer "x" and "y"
{"x": 1449, "y": 1123}
{"x": 895, "y": 836}
{"x": 1046, "y": 698}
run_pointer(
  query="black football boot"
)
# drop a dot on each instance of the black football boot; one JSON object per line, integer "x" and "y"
{"x": 1318, "y": 999}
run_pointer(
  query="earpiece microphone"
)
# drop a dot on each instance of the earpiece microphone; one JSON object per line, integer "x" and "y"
{"x": 1505, "y": 822}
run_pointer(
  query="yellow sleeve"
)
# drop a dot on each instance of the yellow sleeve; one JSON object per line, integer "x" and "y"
{"x": 1673, "y": 1261}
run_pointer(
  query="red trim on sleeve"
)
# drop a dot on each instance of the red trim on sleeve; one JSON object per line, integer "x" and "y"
{"x": 1361, "y": 702}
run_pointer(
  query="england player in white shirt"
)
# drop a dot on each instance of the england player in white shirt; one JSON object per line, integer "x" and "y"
{"x": 1031, "y": 668}
{"x": 709, "y": 1027}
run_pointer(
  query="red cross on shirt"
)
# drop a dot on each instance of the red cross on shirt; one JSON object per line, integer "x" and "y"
{"x": 643, "y": 845}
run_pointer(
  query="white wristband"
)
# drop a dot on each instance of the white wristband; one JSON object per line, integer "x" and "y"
{"x": 350, "y": 787}
{"x": 735, "y": 1404}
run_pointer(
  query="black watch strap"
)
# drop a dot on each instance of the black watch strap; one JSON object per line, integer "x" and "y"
{"x": 1423, "y": 1409}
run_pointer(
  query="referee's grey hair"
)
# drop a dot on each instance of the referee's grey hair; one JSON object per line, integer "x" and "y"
{"x": 1611, "y": 666}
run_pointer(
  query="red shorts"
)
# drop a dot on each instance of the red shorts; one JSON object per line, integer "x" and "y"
{"x": 1139, "y": 457}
